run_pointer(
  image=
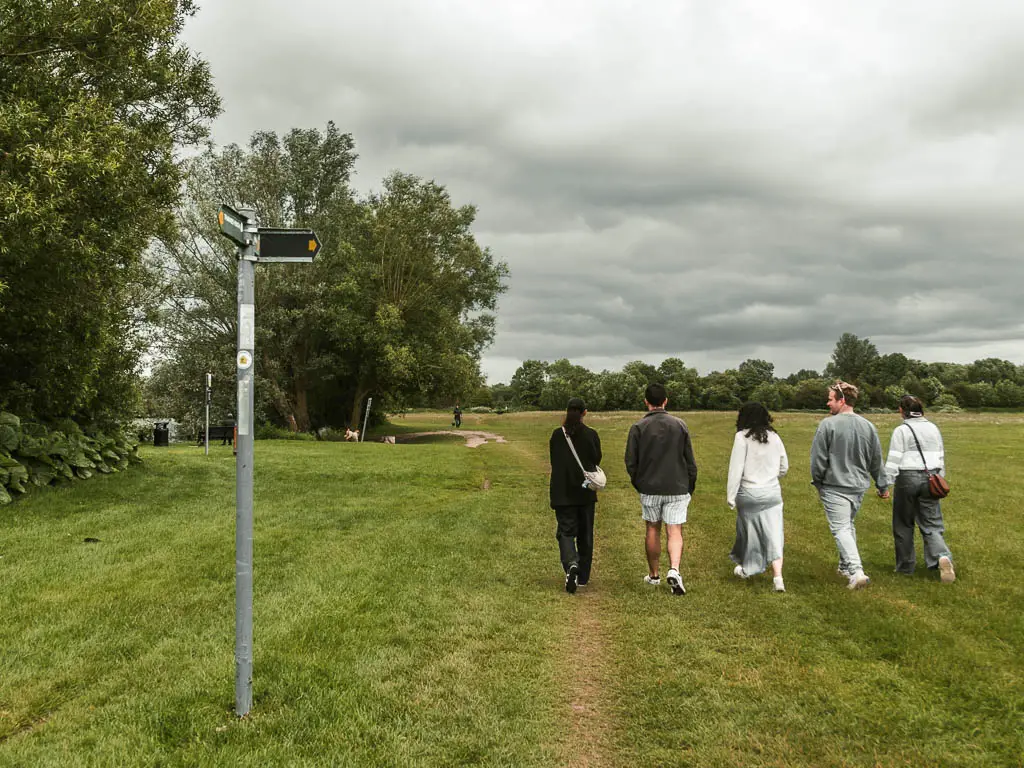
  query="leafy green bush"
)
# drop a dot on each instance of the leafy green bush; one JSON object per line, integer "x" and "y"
{"x": 270, "y": 432}
{"x": 33, "y": 455}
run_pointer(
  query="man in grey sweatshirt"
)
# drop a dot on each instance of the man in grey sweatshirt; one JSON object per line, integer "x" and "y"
{"x": 845, "y": 456}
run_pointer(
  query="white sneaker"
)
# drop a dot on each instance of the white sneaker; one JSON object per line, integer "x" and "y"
{"x": 738, "y": 571}
{"x": 946, "y": 572}
{"x": 859, "y": 580}
{"x": 652, "y": 580}
{"x": 675, "y": 581}
{"x": 778, "y": 584}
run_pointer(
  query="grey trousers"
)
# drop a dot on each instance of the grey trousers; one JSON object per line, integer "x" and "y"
{"x": 911, "y": 503}
{"x": 841, "y": 508}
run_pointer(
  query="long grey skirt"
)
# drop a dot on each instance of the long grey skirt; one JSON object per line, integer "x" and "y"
{"x": 759, "y": 538}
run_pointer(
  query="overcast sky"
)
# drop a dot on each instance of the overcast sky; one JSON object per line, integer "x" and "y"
{"x": 711, "y": 180}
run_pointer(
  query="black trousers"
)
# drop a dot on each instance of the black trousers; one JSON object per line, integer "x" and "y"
{"x": 575, "y": 534}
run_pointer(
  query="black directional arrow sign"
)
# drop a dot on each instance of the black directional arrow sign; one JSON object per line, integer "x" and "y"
{"x": 294, "y": 245}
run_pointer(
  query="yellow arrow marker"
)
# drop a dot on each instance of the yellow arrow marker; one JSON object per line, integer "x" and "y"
{"x": 220, "y": 218}
{"x": 312, "y": 245}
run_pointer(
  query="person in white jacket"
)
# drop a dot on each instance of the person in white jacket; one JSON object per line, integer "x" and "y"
{"x": 916, "y": 450}
{"x": 758, "y": 461}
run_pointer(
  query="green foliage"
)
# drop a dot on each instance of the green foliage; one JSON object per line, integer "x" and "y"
{"x": 33, "y": 455}
{"x": 852, "y": 358}
{"x": 98, "y": 97}
{"x": 528, "y": 382}
{"x": 274, "y": 432}
{"x": 399, "y": 304}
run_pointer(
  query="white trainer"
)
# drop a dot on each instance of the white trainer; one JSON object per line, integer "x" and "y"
{"x": 946, "y": 572}
{"x": 778, "y": 584}
{"x": 738, "y": 571}
{"x": 652, "y": 580}
{"x": 675, "y": 581}
{"x": 859, "y": 580}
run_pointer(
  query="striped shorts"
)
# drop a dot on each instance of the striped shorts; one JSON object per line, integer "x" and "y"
{"x": 670, "y": 510}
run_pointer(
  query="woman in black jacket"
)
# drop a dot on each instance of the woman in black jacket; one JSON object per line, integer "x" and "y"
{"x": 572, "y": 501}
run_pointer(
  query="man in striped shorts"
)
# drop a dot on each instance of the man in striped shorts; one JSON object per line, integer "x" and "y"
{"x": 660, "y": 464}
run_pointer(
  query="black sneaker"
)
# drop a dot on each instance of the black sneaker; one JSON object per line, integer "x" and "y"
{"x": 571, "y": 579}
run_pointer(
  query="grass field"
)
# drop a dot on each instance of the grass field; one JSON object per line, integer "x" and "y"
{"x": 409, "y": 611}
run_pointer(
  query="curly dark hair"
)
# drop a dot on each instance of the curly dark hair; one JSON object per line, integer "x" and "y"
{"x": 755, "y": 419}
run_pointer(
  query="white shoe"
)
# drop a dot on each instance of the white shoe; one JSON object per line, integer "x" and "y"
{"x": 738, "y": 571}
{"x": 946, "y": 572}
{"x": 652, "y": 580}
{"x": 675, "y": 581}
{"x": 859, "y": 580}
{"x": 778, "y": 584}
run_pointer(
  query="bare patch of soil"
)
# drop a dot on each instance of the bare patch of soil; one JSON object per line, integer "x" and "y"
{"x": 474, "y": 438}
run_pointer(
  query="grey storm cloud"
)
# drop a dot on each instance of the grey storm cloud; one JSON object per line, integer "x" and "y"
{"x": 712, "y": 181}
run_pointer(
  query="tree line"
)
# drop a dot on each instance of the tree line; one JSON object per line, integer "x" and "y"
{"x": 882, "y": 379}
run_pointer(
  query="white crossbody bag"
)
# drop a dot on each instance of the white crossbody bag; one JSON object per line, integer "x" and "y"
{"x": 594, "y": 480}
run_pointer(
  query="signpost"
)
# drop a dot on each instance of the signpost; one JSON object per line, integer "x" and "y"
{"x": 209, "y": 382}
{"x": 287, "y": 245}
{"x": 279, "y": 245}
{"x": 366, "y": 419}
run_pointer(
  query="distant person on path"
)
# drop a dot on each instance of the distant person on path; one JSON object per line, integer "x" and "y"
{"x": 660, "y": 464}
{"x": 457, "y": 414}
{"x": 845, "y": 455}
{"x": 572, "y": 501}
{"x": 915, "y": 452}
{"x": 758, "y": 461}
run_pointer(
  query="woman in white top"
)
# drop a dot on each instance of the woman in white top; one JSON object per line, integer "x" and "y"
{"x": 758, "y": 461}
{"x": 916, "y": 451}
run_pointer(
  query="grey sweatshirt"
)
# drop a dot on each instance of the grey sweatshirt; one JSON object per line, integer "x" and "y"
{"x": 846, "y": 453}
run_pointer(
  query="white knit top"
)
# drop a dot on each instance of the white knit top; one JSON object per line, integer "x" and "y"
{"x": 754, "y": 464}
{"x": 903, "y": 453}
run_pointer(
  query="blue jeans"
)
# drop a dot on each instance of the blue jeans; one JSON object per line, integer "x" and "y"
{"x": 841, "y": 508}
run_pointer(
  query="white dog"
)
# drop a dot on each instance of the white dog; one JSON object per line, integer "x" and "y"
{"x": 351, "y": 435}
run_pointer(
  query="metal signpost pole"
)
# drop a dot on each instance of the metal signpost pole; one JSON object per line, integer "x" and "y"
{"x": 255, "y": 244}
{"x": 243, "y": 468}
{"x": 366, "y": 418}
{"x": 209, "y": 376}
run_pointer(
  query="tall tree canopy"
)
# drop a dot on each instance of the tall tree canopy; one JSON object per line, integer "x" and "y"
{"x": 398, "y": 305}
{"x": 97, "y": 97}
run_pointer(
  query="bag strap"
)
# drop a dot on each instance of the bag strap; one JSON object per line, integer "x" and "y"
{"x": 573, "y": 449}
{"x": 918, "y": 444}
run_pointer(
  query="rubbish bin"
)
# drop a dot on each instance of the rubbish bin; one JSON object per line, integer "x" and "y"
{"x": 160, "y": 434}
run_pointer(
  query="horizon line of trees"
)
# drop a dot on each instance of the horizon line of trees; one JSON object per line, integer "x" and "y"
{"x": 882, "y": 380}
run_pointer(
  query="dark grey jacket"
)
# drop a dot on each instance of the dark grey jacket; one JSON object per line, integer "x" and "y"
{"x": 659, "y": 455}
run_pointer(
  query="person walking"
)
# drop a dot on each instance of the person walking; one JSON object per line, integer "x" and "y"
{"x": 846, "y": 455}
{"x": 457, "y": 417}
{"x": 661, "y": 466}
{"x": 915, "y": 452}
{"x": 757, "y": 462}
{"x": 571, "y": 497}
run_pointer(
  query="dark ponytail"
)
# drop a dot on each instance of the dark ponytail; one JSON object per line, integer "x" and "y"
{"x": 573, "y": 416}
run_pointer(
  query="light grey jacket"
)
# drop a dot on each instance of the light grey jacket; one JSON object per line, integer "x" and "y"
{"x": 847, "y": 454}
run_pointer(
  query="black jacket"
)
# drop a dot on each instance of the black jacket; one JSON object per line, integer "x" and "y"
{"x": 566, "y": 476}
{"x": 659, "y": 455}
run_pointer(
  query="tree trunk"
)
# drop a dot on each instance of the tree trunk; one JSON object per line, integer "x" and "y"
{"x": 355, "y": 422}
{"x": 301, "y": 405}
